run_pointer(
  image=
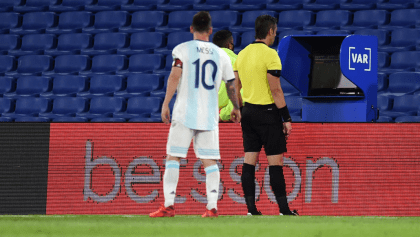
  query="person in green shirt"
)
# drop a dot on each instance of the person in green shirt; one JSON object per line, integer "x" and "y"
{"x": 224, "y": 40}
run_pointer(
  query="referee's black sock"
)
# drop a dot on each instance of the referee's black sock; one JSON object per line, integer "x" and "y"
{"x": 248, "y": 185}
{"x": 278, "y": 184}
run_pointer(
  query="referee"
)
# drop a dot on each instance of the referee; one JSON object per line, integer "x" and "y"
{"x": 265, "y": 118}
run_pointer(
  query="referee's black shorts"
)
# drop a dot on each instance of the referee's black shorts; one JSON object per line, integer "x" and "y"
{"x": 262, "y": 125}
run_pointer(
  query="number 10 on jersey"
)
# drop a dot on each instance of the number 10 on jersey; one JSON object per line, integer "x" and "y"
{"x": 203, "y": 73}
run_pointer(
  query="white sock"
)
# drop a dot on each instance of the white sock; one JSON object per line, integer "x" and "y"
{"x": 212, "y": 186}
{"x": 170, "y": 181}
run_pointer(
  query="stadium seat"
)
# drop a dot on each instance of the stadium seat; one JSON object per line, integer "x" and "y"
{"x": 8, "y": 42}
{"x": 157, "y": 115}
{"x": 161, "y": 92}
{"x": 7, "y": 64}
{"x": 406, "y": 105}
{"x": 9, "y": 20}
{"x": 29, "y": 106}
{"x": 383, "y": 60}
{"x": 403, "y": 61}
{"x": 333, "y": 32}
{"x": 70, "y": 44}
{"x": 139, "y": 85}
{"x": 408, "y": 119}
{"x": 384, "y": 103}
{"x": 368, "y": 19}
{"x": 66, "y": 107}
{"x": 141, "y": 107}
{"x": 294, "y": 104}
{"x": 330, "y": 20}
{"x": 382, "y": 35}
{"x": 167, "y": 67}
{"x": 295, "y": 20}
{"x": 285, "y": 5}
{"x": 106, "y": 43}
{"x": 248, "y": 5}
{"x": 67, "y": 85}
{"x": 107, "y": 120}
{"x": 34, "y": 44}
{"x": 403, "y": 18}
{"x": 246, "y": 38}
{"x": 70, "y": 64}
{"x": 31, "y": 119}
{"x": 71, "y": 22}
{"x": 33, "y": 65}
{"x": 177, "y": 5}
{"x": 357, "y": 5}
{"x": 177, "y": 21}
{"x": 7, "y": 5}
{"x": 285, "y": 33}
{"x": 222, "y": 20}
{"x": 70, "y": 5}
{"x": 318, "y": 5}
{"x": 144, "y": 21}
{"x": 107, "y": 21}
{"x": 106, "y": 64}
{"x": 214, "y": 5}
{"x": 395, "y": 4}
{"x": 404, "y": 39}
{"x": 144, "y": 63}
{"x": 70, "y": 119}
{"x": 103, "y": 85}
{"x": 174, "y": 39}
{"x": 103, "y": 107}
{"x": 288, "y": 89}
{"x": 384, "y": 119}
{"x": 404, "y": 83}
{"x": 248, "y": 20}
{"x": 382, "y": 82}
{"x": 145, "y": 120}
{"x": 34, "y": 6}
{"x": 6, "y": 105}
{"x": 35, "y": 23}
{"x": 7, "y": 85}
{"x": 143, "y": 42}
{"x": 30, "y": 86}
{"x": 106, "y": 5}
{"x": 142, "y": 5}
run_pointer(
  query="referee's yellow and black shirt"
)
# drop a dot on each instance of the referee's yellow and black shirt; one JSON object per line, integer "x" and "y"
{"x": 252, "y": 65}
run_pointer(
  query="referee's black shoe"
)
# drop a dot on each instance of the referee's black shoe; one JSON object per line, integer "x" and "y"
{"x": 254, "y": 213}
{"x": 290, "y": 213}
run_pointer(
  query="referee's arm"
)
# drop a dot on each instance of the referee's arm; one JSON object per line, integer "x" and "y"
{"x": 276, "y": 91}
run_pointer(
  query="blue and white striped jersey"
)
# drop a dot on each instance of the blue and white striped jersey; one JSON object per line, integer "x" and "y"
{"x": 204, "y": 66}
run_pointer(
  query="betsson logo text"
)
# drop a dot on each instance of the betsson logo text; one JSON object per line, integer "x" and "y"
{"x": 155, "y": 177}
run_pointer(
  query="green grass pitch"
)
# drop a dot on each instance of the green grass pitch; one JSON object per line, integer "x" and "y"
{"x": 256, "y": 226}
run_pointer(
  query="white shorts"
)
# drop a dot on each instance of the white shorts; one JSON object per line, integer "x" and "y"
{"x": 206, "y": 143}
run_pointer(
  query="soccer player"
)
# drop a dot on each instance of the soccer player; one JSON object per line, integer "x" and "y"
{"x": 198, "y": 68}
{"x": 265, "y": 117}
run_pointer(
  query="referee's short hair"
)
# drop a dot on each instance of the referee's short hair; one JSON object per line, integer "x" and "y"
{"x": 222, "y": 38}
{"x": 201, "y": 22}
{"x": 263, "y": 24}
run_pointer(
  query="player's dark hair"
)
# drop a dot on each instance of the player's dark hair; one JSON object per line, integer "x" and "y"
{"x": 263, "y": 24}
{"x": 201, "y": 22}
{"x": 222, "y": 38}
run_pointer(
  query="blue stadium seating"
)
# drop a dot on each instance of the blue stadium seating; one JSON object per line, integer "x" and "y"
{"x": 404, "y": 39}
{"x": 70, "y": 44}
{"x": 323, "y": 4}
{"x": 330, "y": 20}
{"x": 382, "y": 82}
{"x": 144, "y": 63}
{"x": 333, "y": 32}
{"x": 70, "y": 64}
{"x": 285, "y": 33}
{"x": 407, "y": 18}
{"x": 107, "y": 120}
{"x": 368, "y": 19}
{"x": 6, "y": 106}
{"x": 7, "y": 5}
{"x": 246, "y": 38}
{"x": 248, "y": 20}
{"x": 406, "y": 105}
{"x": 106, "y": 43}
{"x": 144, "y": 21}
{"x": 383, "y": 60}
{"x": 356, "y": 5}
{"x": 284, "y": 5}
{"x": 35, "y": 23}
{"x": 382, "y": 35}
{"x": 142, "y": 5}
{"x": 295, "y": 20}
{"x": 384, "y": 119}
{"x": 9, "y": 20}
{"x": 34, "y": 6}
{"x": 294, "y": 104}
{"x": 174, "y": 39}
{"x": 30, "y": 86}
{"x": 29, "y": 106}
{"x": 66, "y": 107}
{"x": 34, "y": 44}
{"x": 107, "y": 21}
{"x": 103, "y": 85}
{"x": 70, "y": 5}
{"x": 404, "y": 83}
{"x": 141, "y": 107}
{"x": 70, "y": 119}
{"x": 7, "y": 84}
{"x": 139, "y": 85}
{"x": 107, "y": 64}
{"x": 31, "y": 119}
{"x": 7, "y": 64}
{"x": 222, "y": 20}
{"x": 407, "y": 119}
{"x": 248, "y": 5}
{"x": 143, "y": 42}
{"x": 106, "y": 5}
{"x": 384, "y": 103}
{"x": 67, "y": 85}
{"x": 103, "y": 107}
{"x": 161, "y": 92}
{"x": 71, "y": 22}
{"x": 8, "y": 42}
{"x": 177, "y": 5}
{"x": 403, "y": 61}
{"x": 214, "y": 5}
{"x": 157, "y": 117}
{"x": 32, "y": 65}
{"x": 177, "y": 21}
{"x": 395, "y": 4}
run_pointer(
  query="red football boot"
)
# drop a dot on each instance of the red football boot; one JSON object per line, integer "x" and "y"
{"x": 210, "y": 213}
{"x": 164, "y": 212}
